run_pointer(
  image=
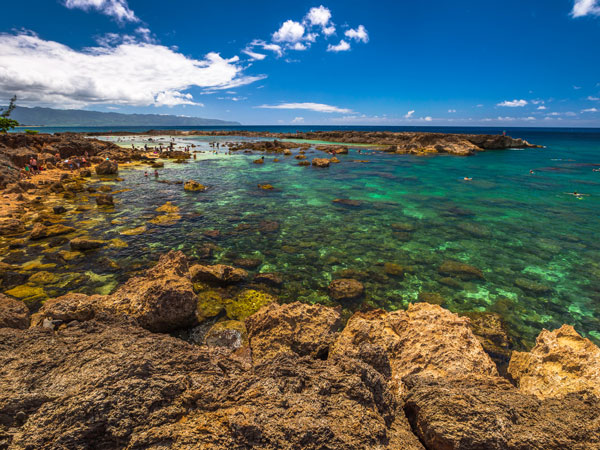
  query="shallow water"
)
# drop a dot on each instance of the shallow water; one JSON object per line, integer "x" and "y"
{"x": 537, "y": 246}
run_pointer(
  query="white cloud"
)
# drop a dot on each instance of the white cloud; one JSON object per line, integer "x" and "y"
{"x": 541, "y": 108}
{"x": 584, "y": 7}
{"x": 299, "y": 46}
{"x": 298, "y": 120}
{"x": 594, "y": 99}
{"x": 118, "y": 9}
{"x": 255, "y": 56}
{"x": 341, "y": 47}
{"x": 451, "y": 110}
{"x": 576, "y": 87}
{"x": 537, "y": 102}
{"x": 47, "y": 72}
{"x": 589, "y": 110}
{"x": 328, "y": 31}
{"x": 427, "y": 119}
{"x": 319, "y": 107}
{"x": 409, "y": 114}
{"x": 290, "y": 31}
{"x": 360, "y": 34}
{"x": 513, "y": 103}
{"x": 319, "y": 16}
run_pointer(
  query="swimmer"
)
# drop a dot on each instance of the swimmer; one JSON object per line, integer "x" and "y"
{"x": 467, "y": 179}
{"x": 576, "y": 194}
{"x": 156, "y": 173}
{"x": 595, "y": 170}
{"x": 531, "y": 172}
{"x": 146, "y": 174}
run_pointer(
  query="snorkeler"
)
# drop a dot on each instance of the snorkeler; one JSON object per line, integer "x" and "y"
{"x": 467, "y": 179}
{"x": 531, "y": 172}
{"x": 576, "y": 194}
{"x": 146, "y": 174}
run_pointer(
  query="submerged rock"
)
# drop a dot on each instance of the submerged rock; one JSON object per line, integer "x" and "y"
{"x": 82, "y": 244}
{"x": 247, "y": 303}
{"x": 346, "y": 289}
{"x": 271, "y": 279}
{"x": 561, "y": 362}
{"x": 532, "y": 286}
{"x": 105, "y": 200}
{"x": 13, "y": 313}
{"x": 461, "y": 270}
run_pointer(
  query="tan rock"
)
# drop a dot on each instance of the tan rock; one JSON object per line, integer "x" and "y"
{"x": 13, "y": 313}
{"x": 308, "y": 330}
{"x": 218, "y": 273}
{"x": 67, "y": 308}
{"x": 561, "y": 362}
{"x": 426, "y": 339}
{"x": 320, "y": 162}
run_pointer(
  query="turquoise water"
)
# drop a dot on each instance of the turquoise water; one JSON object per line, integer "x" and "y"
{"x": 537, "y": 246}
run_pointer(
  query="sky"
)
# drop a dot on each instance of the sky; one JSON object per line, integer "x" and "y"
{"x": 339, "y": 62}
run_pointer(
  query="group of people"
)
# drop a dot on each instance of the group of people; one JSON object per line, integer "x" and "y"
{"x": 32, "y": 168}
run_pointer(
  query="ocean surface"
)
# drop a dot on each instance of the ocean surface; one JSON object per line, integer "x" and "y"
{"x": 537, "y": 246}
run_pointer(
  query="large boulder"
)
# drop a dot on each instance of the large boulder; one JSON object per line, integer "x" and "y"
{"x": 107, "y": 167}
{"x": 561, "y": 362}
{"x": 320, "y": 162}
{"x": 13, "y": 313}
{"x": 481, "y": 412}
{"x": 307, "y": 330}
{"x": 219, "y": 273}
{"x": 162, "y": 300}
{"x": 113, "y": 386}
{"x": 67, "y": 308}
{"x": 41, "y": 231}
{"x": 425, "y": 339}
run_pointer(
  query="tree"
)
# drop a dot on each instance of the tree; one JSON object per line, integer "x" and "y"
{"x": 6, "y": 123}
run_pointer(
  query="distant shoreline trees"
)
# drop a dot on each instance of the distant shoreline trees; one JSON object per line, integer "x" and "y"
{"x": 6, "y": 123}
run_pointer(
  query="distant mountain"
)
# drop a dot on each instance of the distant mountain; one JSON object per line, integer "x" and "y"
{"x": 80, "y": 118}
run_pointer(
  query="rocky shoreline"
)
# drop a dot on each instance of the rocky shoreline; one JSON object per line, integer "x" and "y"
{"x": 415, "y": 143}
{"x": 99, "y": 371}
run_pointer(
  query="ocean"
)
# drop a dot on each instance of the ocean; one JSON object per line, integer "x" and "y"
{"x": 536, "y": 245}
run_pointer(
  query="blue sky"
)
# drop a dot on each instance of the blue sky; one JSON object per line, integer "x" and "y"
{"x": 505, "y": 63}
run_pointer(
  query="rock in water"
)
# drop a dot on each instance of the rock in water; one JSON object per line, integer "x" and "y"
{"x": 107, "y": 168}
{"x": 193, "y": 186}
{"x": 320, "y": 162}
{"x": 461, "y": 270}
{"x": 218, "y": 273}
{"x": 13, "y": 313}
{"x": 297, "y": 328}
{"x": 105, "y": 200}
{"x": 40, "y": 231}
{"x": 346, "y": 289}
{"x": 561, "y": 362}
{"x": 86, "y": 244}
{"x": 425, "y": 339}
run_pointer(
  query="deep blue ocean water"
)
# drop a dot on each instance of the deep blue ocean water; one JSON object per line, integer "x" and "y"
{"x": 537, "y": 246}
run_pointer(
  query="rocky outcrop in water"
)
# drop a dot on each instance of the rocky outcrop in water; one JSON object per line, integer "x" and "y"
{"x": 97, "y": 372}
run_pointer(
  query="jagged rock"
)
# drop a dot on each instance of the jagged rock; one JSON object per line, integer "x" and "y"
{"x": 67, "y": 308}
{"x": 561, "y": 362}
{"x": 82, "y": 244}
{"x": 320, "y": 162}
{"x": 461, "y": 270}
{"x": 107, "y": 167}
{"x": 162, "y": 300}
{"x": 114, "y": 386}
{"x": 218, "y": 273}
{"x": 425, "y": 339}
{"x": 307, "y": 330}
{"x": 346, "y": 289}
{"x": 105, "y": 200}
{"x": 41, "y": 231}
{"x": 229, "y": 335}
{"x": 493, "y": 335}
{"x": 193, "y": 186}
{"x": 13, "y": 313}
{"x": 480, "y": 412}
{"x": 59, "y": 209}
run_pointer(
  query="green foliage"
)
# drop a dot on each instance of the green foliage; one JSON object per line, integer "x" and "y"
{"x": 32, "y": 131}
{"x": 6, "y": 123}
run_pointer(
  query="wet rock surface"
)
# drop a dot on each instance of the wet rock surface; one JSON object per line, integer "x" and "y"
{"x": 13, "y": 313}
{"x": 218, "y": 273}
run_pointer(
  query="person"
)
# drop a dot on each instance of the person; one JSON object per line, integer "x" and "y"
{"x": 33, "y": 164}
{"x": 531, "y": 172}
{"x": 155, "y": 173}
{"x": 576, "y": 194}
{"x": 146, "y": 174}
{"x": 467, "y": 179}
{"x": 595, "y": 170}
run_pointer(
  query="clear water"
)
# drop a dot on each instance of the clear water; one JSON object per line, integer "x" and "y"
{"x": 507, "y": 222}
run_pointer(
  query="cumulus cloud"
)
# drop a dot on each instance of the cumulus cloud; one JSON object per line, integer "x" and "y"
{"x": 343, "y": 46}
{"x": 318, "y": 107}
{"x": 585, "y": 7}
{"x": 409, "y": 114}
{"x": 47, "y": 72}
{"x": 298, "y": 120}
{"x": 360, "y": 34}
{"x": 541, "y": 108}
{"x": 513, "y": 103}
{"x": 427, "y": 119}
{"x": 117, "y": 9}
{"x": 290, "y": 31}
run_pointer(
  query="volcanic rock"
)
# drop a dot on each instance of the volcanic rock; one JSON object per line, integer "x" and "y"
{"x": 320, "y": 162}
{"x": 461, "y": 270}
{"x": 561, "y": 362}
{"x": 346, "y": 289}
{"x": 40, "y": 231}
{"x": 83, "y": 244}
{"x": 13, "y": 313}
{"x": 107, "y": 168}
{"x": 105, "y": 200}
{"x": 218, "y": 273}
